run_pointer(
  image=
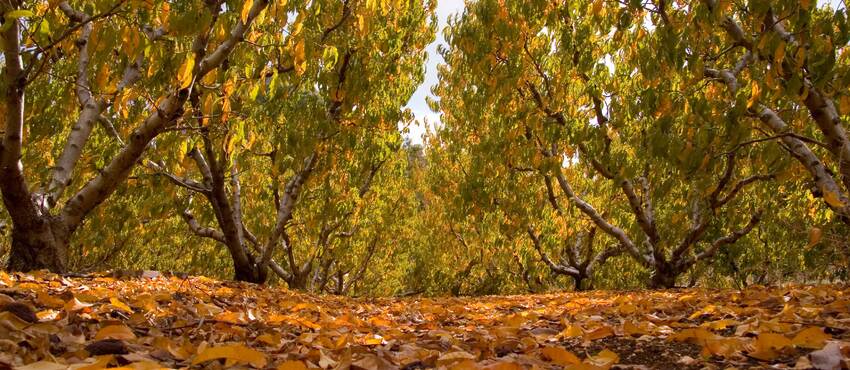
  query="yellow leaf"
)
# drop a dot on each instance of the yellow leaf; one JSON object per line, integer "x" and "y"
{"x": 767, "y": 344}
{"x": 185, "y": 72}
{"x": 629, "y": 328}
{"x": 246, "y": 8}
{"x": 235, "y": 352}
{"x": 603, "y": 360}
{"x": 833, "y": 199}
{"x": 572, "y": 331}
{"x": 464, "y": 365}
{"x": 627, "y": 308}
{"x": 811, "y": 338}
{"x": 779, "y": 57}
{"x": 42, "y": 365}
{"x": 844, "y": 105}
{"x": 115, "y": 332}
{"x": 48, "y": 300}
{"x": 373, "y": 340}
{"x": 800, "y": 57}
{"x": 269, "y": 339}
{"x": 719, "y": 324}
{"x": 754, "y": 96}
{"x": 300, "y": 58}
{"x": 504, "y": 365}
{"x": 292, "y": 365}
{"x": 115, "y": 302}
{"x": 101, "y": 362}
{"x": 74, "y": 304}
{"x": 695, "y": 335}
{"x": 599, "y": 333}
{"x": 560, "y": 356}
{"x": 597, "y": 7}
{"x": 453, "y": 357}
{"x": 815, "y": 234}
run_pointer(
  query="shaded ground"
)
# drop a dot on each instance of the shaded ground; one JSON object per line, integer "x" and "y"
{"x": 47, "y": 321}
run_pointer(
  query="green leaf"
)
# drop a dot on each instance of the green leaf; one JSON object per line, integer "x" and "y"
{"x": 330, "y": 56}
{"x": 15, "y": 14}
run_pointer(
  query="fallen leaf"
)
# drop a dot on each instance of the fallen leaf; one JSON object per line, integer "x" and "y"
{"x": 292, "y": 365}
{"x": 828, "y": 358}
{"x": 235, "y": 352}
{"x": 560, "y": 356}
{"x": 115, "y": 332}
{"x": 812, "y": 338}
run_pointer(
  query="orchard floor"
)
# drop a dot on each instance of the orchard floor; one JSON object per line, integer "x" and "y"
{"x": 52, "y": 322}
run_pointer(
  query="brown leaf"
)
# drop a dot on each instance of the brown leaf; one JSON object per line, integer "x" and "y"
{"x": 107, "y": 347}
{"x": 21, "y": 310}
{"x": 828, "y": 358}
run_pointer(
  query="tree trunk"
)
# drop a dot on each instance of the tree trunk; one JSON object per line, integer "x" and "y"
{"x": 250, "y": 272}
{"x": 298, "y": 281}
{"x": 664, "y": 277}
{"x": 43, "y": 245}
{"x": 582, "y": 283}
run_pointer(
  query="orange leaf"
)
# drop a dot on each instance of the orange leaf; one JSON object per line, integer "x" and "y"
{"x": 767, "y": 344}
{"x": 599, "y": 333}
{"x": 236, "y": 352}
{"x": 572, "y": 331}
{"x": 115, "y": 332}
{"x": 812, "y": 338}
{"x": 560, "y": 356}
{"x": 292, "y": 365}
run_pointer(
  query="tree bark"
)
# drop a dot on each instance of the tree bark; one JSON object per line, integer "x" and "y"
{"x": 41, "y": 245}
{"x": 663, "y": 277}
{"x": 582, "y": 282}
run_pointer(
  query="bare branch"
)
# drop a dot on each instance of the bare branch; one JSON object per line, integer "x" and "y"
{"x": 182, "y": 182}
{"x": 204, "y": 232}
{"x": 726, "y": 240}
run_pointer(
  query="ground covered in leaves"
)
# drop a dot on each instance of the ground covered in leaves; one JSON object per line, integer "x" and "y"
{"x": 53, "y": 322}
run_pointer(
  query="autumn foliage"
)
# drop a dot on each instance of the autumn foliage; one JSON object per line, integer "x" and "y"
{"x": 156, "y": 321}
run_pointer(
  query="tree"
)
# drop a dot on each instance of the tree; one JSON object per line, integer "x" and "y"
{"x": 785, "y": 65}
{"x": 535, "y": 75}
{"x": 324, "y": 113}
{"x": 579, "y": 260}
{"x": 163, "y": 53}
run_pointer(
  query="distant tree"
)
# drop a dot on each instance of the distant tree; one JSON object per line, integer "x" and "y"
{"x": 318, "y": 120}
{"x": 528, "y": 92}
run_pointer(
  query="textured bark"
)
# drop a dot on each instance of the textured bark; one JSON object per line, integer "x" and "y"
{"x": 290, "y": 196}
{"x": 41, "y": 245}
{"x": 663, "y": 276}
{"x": 614, "y": 231}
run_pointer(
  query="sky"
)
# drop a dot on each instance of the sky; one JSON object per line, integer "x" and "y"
{"x": 417, "y": 105}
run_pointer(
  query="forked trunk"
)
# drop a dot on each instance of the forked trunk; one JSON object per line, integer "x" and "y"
{"x": 582, "y": 283}
{"x": 44, "y": 245}
{"x": 250, "y": 272}
{"x": 664, "y": 277}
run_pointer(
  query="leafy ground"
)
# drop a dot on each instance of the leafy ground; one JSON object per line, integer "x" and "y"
{"x": 51, "y": 322}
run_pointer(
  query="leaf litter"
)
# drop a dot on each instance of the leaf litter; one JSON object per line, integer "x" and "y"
{"x": 48, "y": 321}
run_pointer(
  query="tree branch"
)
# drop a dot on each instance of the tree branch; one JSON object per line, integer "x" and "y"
{"x": 204, "y": 232}
{"x": 165, "y": 114}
